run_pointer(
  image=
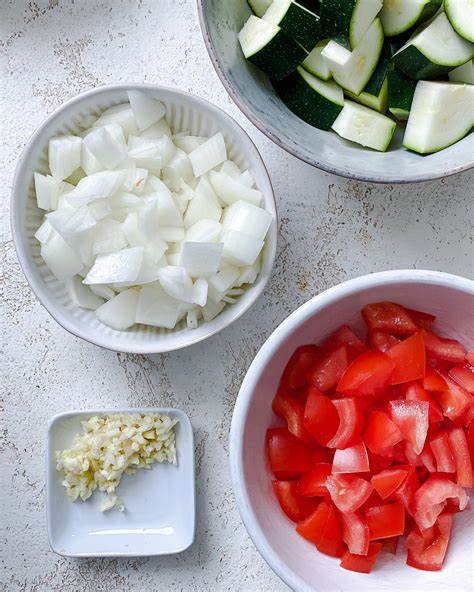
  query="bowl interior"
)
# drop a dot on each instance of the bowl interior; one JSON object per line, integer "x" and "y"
{"x": 293, "y": 558}
{"x": 184, "y": 112}
{"x": 254, "y": 94}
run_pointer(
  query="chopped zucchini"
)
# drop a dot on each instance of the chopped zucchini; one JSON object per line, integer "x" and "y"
{"x": 375, "y": 94}
{"x": 441, "y": 114}
{"x": 398, "y": 16}
{"x": 315, "y": 101}
{"x": 269, "y": 48}
{"x": 433, "y": 51}
{"x": 348, "y": 19}
{"x": 400, "y": 93}
{"x": 296, "y": 21}
{"x": 464, "y": 73}
{"x": 259, "y": 7}
{"x": 315, "y": 63}
{"x": 364, "y": 126}
{"x": 461, "y": 15}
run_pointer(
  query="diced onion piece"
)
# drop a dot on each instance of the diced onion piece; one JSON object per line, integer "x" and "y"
{"x": 192, "y": 318}
{"x": 204, "y": 205}
{"x": 201, "y": 259}
{"x": 187, "y": 143}
{"x": 102, "y": 291}
{"x": 176, "y": 282}
{"x": 64, "y": 156}
{"x": 249, "y": 274}
{"x": 121, "y": 266}
{"x": 89, "y": 163}
{"x": 146, "y": 109}
{"x": 155, "y": 249}
{"x": 120, "y": 114}
{"x": 208, "y": 155}
{"x": 109, "y": 237}
{"x": 204, "y": 231}
{"x": 200, "y": 289}
{"x": 171, "y": 234}
{"x": 229, "y": 190}
{"x": 157, "y": 308}
{"x": 247, "y": 218}
{"x": 44, "y": 232}
{"x": 47, "y": 191}
{"x": 211, "y": 310}
{"x": 61, "y": 259}
{"x": 231, "y": 169}
{"x": 107, "y": 144}
{"x": 80, "y": 221}
{"x": 177, "y": 169}
{"x": 96, "y": 186}
{"x": 157, "y": 130}
{"x": 120, "y": 311}
{"x": 99, "y": 209}
{"x": 239, "y": 248}
{"x": 82, "y": 295}
{"x": 221, "y": 283}
{"x": 132, "y": 232}
{"x": 246, "y": 178}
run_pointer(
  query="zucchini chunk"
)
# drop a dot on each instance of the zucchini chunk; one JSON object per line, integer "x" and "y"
{"x": 296, "y": 21}
{"x": 398, "y": 16}
{"x": 400, "y": 93}
{"x": 348, "y": 19}
{"x": 461, "y": 15}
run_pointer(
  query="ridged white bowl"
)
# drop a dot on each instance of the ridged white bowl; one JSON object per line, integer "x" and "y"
{"x": 253, "y": 93}
{"x": 294, "y": 559}
{"x": 184, "y": 112}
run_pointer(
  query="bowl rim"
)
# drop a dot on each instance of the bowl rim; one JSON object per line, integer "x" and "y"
{"x": 282, "y": 143}
{"x": 306, "y": 310}
{"x": 38, "y": 287}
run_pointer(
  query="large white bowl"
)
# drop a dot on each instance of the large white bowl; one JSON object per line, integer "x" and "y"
{"x": 253, "y": 93}
{"x": 184, "y": 112}
{"x": 294, "y": 559}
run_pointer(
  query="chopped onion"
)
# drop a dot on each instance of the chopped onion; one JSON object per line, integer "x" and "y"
{"x": 156, "y": 308}
{"x": 146, "y": 109}
{"x": 122, "y": 266}
{"x": 230, "y": 190}
{"x": 201, "y": 259}
{"x": 82, "y": 295}
{"x": 176, "y": 282}
{"x": 239, "y": 248}
{"x": 120, "y": 311}
{"x": 208, "y": 155}
{"x": 64, "y": 156}
{"x": 61, "y": 259}
{"x": 204, "y": 205}
{"x": 107, "y": 145}
{"x": 247, "y": 218}
{"x": 47, "y": 191}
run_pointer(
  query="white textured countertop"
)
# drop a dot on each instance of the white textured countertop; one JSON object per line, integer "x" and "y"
{"x": 330, "y": 230}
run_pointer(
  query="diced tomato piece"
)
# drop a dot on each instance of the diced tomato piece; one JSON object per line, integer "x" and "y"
{"x": 385, "y": 521}
{"x": 433, "y": 381}
{"x": 470, "y": 441}
{"x": 325, "y": 374}
{"x": 321, "y": 418}
{"x": 411, "y": 456}
{"x": 424, "y": 320}
{"x": 390, "y": 545}
{"x": 470, "y": 357}
{"x": 441, "y": 447}
{"x": 312, "y": 527}
{"x": 313, "y": 483}
{"x": 407, "y": 489}
{"x": 351, "y": 460}
{"x": 443, "y": 349}
{"x": 413, "y": 391}
{"x": 350, "y": 422}
{"x": 464, "y": 376}
{"x": 294, "y": 375}
{"x": 381, "y": 433}
{"x": 462, "y": 458}
{"x": 430, "y": 500}
{"x": 295, "y": 507}
{"x": 379, "y": 463}
{"x": 428, "y": 459}
{"x": 288, "y": 456}
{"x": 289, "y": 409}
{"x": 322, "y": 529}
{"x": 348, "y": 492}
{"x": 374, "y": 499}
{"x": 388, "y": 481}
{"x": 455, "y": 401}
{"x": 388, "y": 317}
{"x": 362, "y": 563}
{"x": 368, "y": 374}
{"x": 319, "y": 454}
{"x": 330, "y": 542}
{"x": 427, "y": 552}
{"x": 355, "y": 532}
{"x": 345, "y": 335}
{"x": 411, "y": 417}
{"x": 408, "y": 358}
{"x": 382, "y": 341}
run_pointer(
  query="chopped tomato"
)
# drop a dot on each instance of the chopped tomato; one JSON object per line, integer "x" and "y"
{"x": 411, "y": 456}
{"x": 411, "y": 417}
{"x": 407, "y": 489}
{"x": 427, "y": 550}
{"x": 388, "y": 317}
{"x": 454, "y": 401}
{"x": 470, "y": 357}
{"x": 350, "y": 422}
{"x": 313, "y": 483}
{"x": 428, "y": 459}
{"x": 408, "y": 358}
{"x": 387, "y": 482}
{"x": 424, "y": 320}
{"x": 368, "y": 374}
{"x": 460, "y": 449}
{"x": 322, "y": 529}
{"x": 348, "y": 492}
{"x": 355, "y": 532}
{"x": 345, "y": 335}
{"x": 470, "y": 441}
{"x": 378, "y": 463}
{"x": 382, "y": 341}
{"x": 381, "y": 433}
{"x": 441, "y": 447}
{"x": 413, "y": 391}
{"x": 361, "y": 563}
{"x": 351, "y": 460}
{"x": 288, "y": 456}
{"x": 390, "y": 545}
{"x": 312, "y": 527}
{"x": 294, "y": 375}
{"x": 464, "y": 376}
{"x": 443, "y": 349}
{"x": 291, "y": 410}
{"x": 385, "y": 521}
{"x": 325, "y": 374}
{"x": 433, "y": 381}
{"x": 430, "y": 499}
{"x": 295, "y": 507}
{"x": 321, "y": 418}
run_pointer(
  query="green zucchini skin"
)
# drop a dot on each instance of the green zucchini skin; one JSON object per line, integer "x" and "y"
{"x": 313, "y": 5}
{"x": 336, "y": 18}
{"x": 374, "y": 86}
{"x": 306, "y": 103}
{"x": 417, "y": 66}
{"x": 258, "y": 7}
{"x": 302, "y": 26}
{"x": 279, "y": 57}
{"x": 400, "y": 90}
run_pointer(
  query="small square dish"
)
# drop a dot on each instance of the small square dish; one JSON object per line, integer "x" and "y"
{"x": 159, "y": 515}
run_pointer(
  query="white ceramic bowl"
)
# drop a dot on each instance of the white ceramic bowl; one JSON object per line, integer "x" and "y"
{"x": 295, "y": 560}
{"x": 184, "y": 112}
{"x": 253, "y": 93}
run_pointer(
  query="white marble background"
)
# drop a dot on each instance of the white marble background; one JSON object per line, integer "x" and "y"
{"x": 331, "y": 230}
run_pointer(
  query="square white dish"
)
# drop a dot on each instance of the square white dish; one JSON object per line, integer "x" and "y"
{"x": 159, "y": 515}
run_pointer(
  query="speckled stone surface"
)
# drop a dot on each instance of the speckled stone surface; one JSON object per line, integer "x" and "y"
{"x": 330, "y": 230}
